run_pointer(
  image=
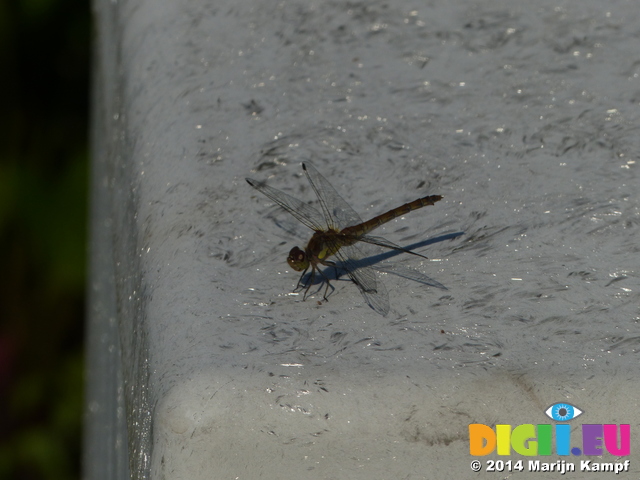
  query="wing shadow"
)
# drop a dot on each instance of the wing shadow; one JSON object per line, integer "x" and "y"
{"x": 379, "y": 261}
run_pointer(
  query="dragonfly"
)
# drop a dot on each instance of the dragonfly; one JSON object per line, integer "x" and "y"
{"x": 340, "y": 232}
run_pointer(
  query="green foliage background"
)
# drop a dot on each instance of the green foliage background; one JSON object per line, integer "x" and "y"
{"x": 44, "y": 48}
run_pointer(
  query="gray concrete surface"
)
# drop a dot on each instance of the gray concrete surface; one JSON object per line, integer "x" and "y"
{"x": 523, "y": 115}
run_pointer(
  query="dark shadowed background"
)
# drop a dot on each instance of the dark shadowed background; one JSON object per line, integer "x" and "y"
{"x": 45, "y": 47}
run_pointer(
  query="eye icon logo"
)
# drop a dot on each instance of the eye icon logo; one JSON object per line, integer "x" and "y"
{"x": 562, "y": 412}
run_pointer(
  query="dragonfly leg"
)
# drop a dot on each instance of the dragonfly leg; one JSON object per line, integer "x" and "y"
{"x": 329, "y": 263}
{"x": 326, "y": 280}
{"x": 300, "y": 286}
{"x": 311, "y": 279}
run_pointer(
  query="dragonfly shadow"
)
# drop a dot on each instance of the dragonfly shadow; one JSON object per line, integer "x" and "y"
{"x": 371, "y": 261}
{"x": 379, "y": 262}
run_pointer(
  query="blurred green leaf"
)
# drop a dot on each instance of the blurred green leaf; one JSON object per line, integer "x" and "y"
{"x": 44, "y": 50}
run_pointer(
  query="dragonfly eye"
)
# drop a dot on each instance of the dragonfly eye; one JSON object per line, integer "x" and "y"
{"x": 297, "y": 259}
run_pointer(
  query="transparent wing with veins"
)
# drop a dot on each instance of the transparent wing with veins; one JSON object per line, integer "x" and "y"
{"x": 304, "y": 212}
{"x": 373, "y": 290}
{"x": 337, "y": 212}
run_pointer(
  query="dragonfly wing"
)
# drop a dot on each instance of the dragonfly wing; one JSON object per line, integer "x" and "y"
{"x": 408, "y": 273}
{"x": 302, "y": 211}
{"x": 362, "y": 274}
{"x": 337, "y": 212}
{"x": 378, "y": 301}
{"x": 363, "y": 258}
{"x": 371, "y": 288}
{"x": 383, "y": 242}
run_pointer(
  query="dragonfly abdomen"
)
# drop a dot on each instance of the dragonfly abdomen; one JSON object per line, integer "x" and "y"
{"x": 375, "y": 222}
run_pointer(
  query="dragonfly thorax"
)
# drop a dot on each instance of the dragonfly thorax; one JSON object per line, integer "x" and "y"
{"x": 297, "y": 259}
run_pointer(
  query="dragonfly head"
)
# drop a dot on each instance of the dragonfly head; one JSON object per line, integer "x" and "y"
{"x": 297, "y": 259}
